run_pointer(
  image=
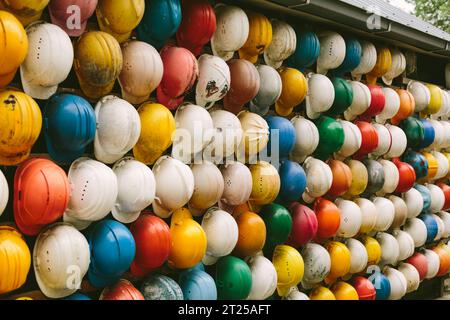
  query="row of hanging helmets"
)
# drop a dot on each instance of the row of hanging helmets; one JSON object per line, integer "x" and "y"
{"x": 349, "y": 193}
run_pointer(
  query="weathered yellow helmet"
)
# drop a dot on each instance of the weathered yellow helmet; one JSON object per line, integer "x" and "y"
{"x": 289, "y": 266}
{"x": 294, "y": 91}
{"x": 26, "y": 11}
{"x": 383, "y": 65}
{"x": 436, "y": 100}
{"x": 266, "y": 183}
{"x": 259, "y": 37}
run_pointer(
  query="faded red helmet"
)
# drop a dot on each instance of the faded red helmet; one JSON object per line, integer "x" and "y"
{"x": 72, "y": 15}
{"x": 121, "y": 290}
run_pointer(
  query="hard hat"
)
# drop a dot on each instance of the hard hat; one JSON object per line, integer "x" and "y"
{"x": 283, "y": 45}
{"x": 397, "y": 281}
{"x": 382, "y": 66}
{"x": 397, "y": 68}
{"x": 414, "y": 131}
{"x": 342, "y": 178}
{"x": 237, "y": 183}
{"x": 368, "y": 60}
{"x": 391, "y": 177}
{"x": 321, "y": 94}
{"x": 373, "y": 249}
{"x": 343, "y": 96}
{"x": 142, "y": 71}
{"x": 369, "y": 214}
{"x": 208, "y": 187}
{"x": 369, "y": 138}
{"x": 75, "y": 296}
{"x": 136, "y": 189}
{"x": 153, "y": 241}
{"x": 435, "y": 103}
{"x": 418, "y": 162}
{"x": 407, "y": 176}
{"x": 398, "y": 142}
{"x": 157, "y": 128}
{"x": 21, "y": 122}
{"x": 294, "y": 90}
{"x": 391, "y": 105}
{"x": 441, "y": 227}
{"x": 121, "y": 290}
{"x": 255, "y": 132}
{"x": 351, "y": 218}
{"x": 362, "y": 99}
{"x": 407, "y": 106}
{"x": 421, "y": 94}
{"x": 266, "y": 183}
{"x": 227, "y": 134}
{"x": 180, "y": 73}
{"x": 444, "y": 260}
{"x": 15, "y": 47}
{"x": 445, "y": 217}
{"x": 194, "y": 128}
{"x": 42, "y": 72}
{"x": 264, "y": 277}
{"x": 344, "y": 291}
{"x": 433, "y": 263}
{"x": 332, "y": 51}
{"x": 322, "y": 293}
{"x": 376, "y": 176}
{"x": 317, "y": 263}
{"x": 98, "y": 63}
{"x": 57, "y": 250}
{"x": 197, "y": 285}
{"x": 417, "y": 230}
{"x": 233, "y": 279}
{"x": 278, "y": 223}
{"x": 414, "y": 201}
{"x": 405, "y": 244}
{"x": 305, "y": 146}
{"x": 389, "y": 248}
{"x": 340, "y": 260}
{"x": 69, "y": 126}
{"x": 289, "y": 266}
{"x": 4, "y": 192}
{"x": 304, "y": 224}
{"x": 431, "y": 225}
{"x": 437, "y": 198}
{"x": 174, "y": 185}
{"x": 384, "y": 140}
{"x": 377, "y": 102}
{"x": 331, "y": 137}
{"x": 359, "y": 178}
{"x": 282, "y": 136}
{"x": 358, "y": 253}
{"x": 160, "y": 22}
{"x": 319, "y": 177}
{"x": 26, "y": 11}
{"x": 159, "y": 287}
{"x": 364, "y": 288}
{"x": 293, "y": 181}
{"x": 259, "y": 37}
{"x": 445, "y": 108}
{"x": 420, "y": 262}
{"x": 295, "y": 294}
{"x": 352, "y": 57}
{"x": 15, "y": 259}
{"x": 252, "y": 234}
{"x": 382, "y": 285}
{"x": 446, "y": 189}
{"x": 328, "y": 218}
{"x": 439, "y": 134}
{"x": 307, "y": 50}
{"x": 426, "y": 196}
{"x": 428, "y": 134}
{"x": 269, "y": 90}
{"x": 401, "y": 211}
{"x": 61, "y": 11}
{"x": 352, "y": 139}
{"x": 41, "y": 194}
{"x": 411, "y": 275}
{"x": 443, "y": 165}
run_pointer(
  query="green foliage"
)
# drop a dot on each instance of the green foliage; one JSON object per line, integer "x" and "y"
{"x": 436, "y": 12}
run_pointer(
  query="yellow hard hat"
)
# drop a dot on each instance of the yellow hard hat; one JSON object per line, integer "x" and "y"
{"x": 373, "y": 249}
{"x": 383, "y": 65}
{"x": 295, "y": 89}
{"x": 20, "y": 123}
{"x": 360, "y": 178}
{"x": 289, "y": 266}
{"x": 15, "y": 259}
{"x": 14, "y": 47}
{"x": 119, "y": 17}
{"x": 340, "y": 260}
{"x": 259, "y": 37}
{"x": 188, "y": 240}
{"x": 343, "y": 291}
{"x": 266, "y": 183}
{"x": 24, "y": 298}
{"x": 432, "y": 166}
{"x": 97, "y": 64}
{"x": 436, "y": 100}
{"x": 322, "y": 293}
{"x": 157, "y": 128}
{"x": 26, "y": 11}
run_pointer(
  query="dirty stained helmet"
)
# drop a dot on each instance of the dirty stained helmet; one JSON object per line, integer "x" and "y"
{"x": 417, "y": 230}
{"x": 401, "y": 211}
{"x": 197, "y": 285}
{"x": 397, "y": 68}
{"x": 255, "y": 133}
{"x": 121, "y": 290}
{"x": 397, "y": 282}
{"x": 61, "y": 11}
{"x": 351, "y": 218}
{"x": 389, "y": 248}
{"x": 304, "y": 225}
{"x": 227, "y": 135}
{"x": 259, "y": 37}
{"x": 289, "y": 266}
{"x": 208, "y": 187}
{"x": 266, "y": 183}
{"x": 368, "y": 60}
{"x": 294, "y": 90}
{"x": 391, "y": 105}
{"x": 369, "y": 214}
{"x": 358, "y": 253}
{"x": 352, "y": 139}
{"x": 331, "y": 137}
{"x": 317, "y": 263}
{"x": 360, "y": 178}
{"x": 382, "y": 66}
{"x": 411, "y": 275}
{"x": 269, "y": 90}
{"x": 319, "y": 177}
{"x": 321, "y": 95}
{"x": 304, "y": 147}
{"x": 233, "y": 279}
{"x": 332, "y": 51}
{"x": 160, "y": 287}
{"x": 391, "y": 177}
{"x": 376, "y": 176}
{"x": 421, "y": 94}
{"x": 264, "y": 277}
{"x": 398, "y": 142}
{"x": 407, "y": 106}
{"x": 362, "y": 100}
{"x": 25, "y": 10}
{"x": 284, "y": 42}
{"x": 237, "y": 183}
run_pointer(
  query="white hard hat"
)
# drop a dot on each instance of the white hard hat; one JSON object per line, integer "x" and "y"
{"x": 307, "y": 139}
{"x": 49, "y": 59}
{"x": 332, "y": 51}
{"x": 433, "y": 263}
{"x": 237, "y": 183}
{"x": 174, "y": 185}
{"x": 389, "y": 248}
{"x": 142, "y": 71}
{"x": 437, "y": 198}
{"x": 208, "y": 187}
{"x": 284, "y": 42}
{"x": 411, "y": 275}
{"x": 391, "y": 177}
{"x": 384, "y": 140}
{"x": 397, "y": 68}
{"x": 421, "y": 95}
{"x": 398, "y": 142}
{"x": 61, "y": 259}
{"x": 414, "y": 202}
{"x": 358, "y": 255}
{"x": 391, "y": 105}
{"x": 405, "y": 244}
{"x": 446, "y": 140}
{"x": 255, "y": 132}
{"x": 351, "y": 218}
{"x": 445, "y": 217}
{"x": 352, "y": 139}
{"x": 369, "y": 214}
{"x": 4, "y": 192}
{"x": 317, "y": 263}
{"x": 319, "y": 177}
{"x": 227, "y": 134}
{"x": 362, "y": 99}
{"x": 264, "y": 277}
{"x": 118, "y": 128}
{"x": 386, "y": 213}
{"x": 368, "y": 60}
{"x": 93, "y": 191}
{"x": 269, "y": 90}
{"x": 137, "y": 187}
{"x": 441, "y": 227}
{"x": 443, "y": 165}
{"x": 397, "y": 281}
{"x": 439, "y": 134}
{"x": 417, "y": 230}
{"x": 320, "y": 95}
{"x": 401, "y": 211}
{"x": 213, "y": 81}
{"x": 295, "y": 294}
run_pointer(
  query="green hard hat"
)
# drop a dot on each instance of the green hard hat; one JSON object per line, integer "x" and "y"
{"x": 414, "y": 131}
{"x": 233, "y": 279}
{"x": 331, "y": 137}
{"x": 343, "y": 96}
{"x": 278, "y": 225}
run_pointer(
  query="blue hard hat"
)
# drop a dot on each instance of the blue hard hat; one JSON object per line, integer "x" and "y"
{"x": 77, "y": 296}
{"x": 293, "y": 182}
{"x": 286, "y": 135}
{"x": 418, "y": 162}
{"x": 426, "y": 195}
{"x": 382, "y": 286}
{"x": 160, "y": 22}
{"x": 432, "y": 226}
{"x": 69, "y": 126}
{"x": 199, "y": 266}
{"x": 112, "y": 249}
{"x": 352, "y": 57}
{"x": 428, "y": 134}
{"x": 160, "y": 287}
{"x": 197, "y": 285}
{"x": 307, "y": 50}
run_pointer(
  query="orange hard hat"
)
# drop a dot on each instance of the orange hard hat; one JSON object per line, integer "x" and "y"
{"x": 328, "y": 218}
{"x": 342, "y": 178}
{"x": 444, "y": 260}
{"x": 252, "y": 234}
{"x": 407, "y": 106}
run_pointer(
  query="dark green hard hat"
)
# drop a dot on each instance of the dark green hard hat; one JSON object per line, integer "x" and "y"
{"x": 343, "y": 96}
{"x": 233, "y": 279}
{"x": 278, "y": 225}
{"x": 331, "y": 137}
{"x": 414, "y": 131}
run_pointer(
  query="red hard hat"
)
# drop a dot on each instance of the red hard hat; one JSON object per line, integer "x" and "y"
{"x": 407, "y": 175}
{"x": 446, "y": 189}
{"x": 369, "y": 139}
{"x": 121, "y": 290}
{"x": 180, "y": 74}
{"x": 61, "y": 12}
{"x": 328, "y": 218}
{"x": 364, "y": 287}
{"x": 377, "y": 102}
{"x": 419, "y": 261}
{"x": 153, "y": 241}
{"x": 198, "y": 25}
{"x": 41, "y": 195}
{"x": 342, "y": 178}
{"x": 304, "y": 224}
